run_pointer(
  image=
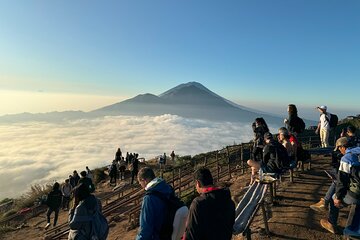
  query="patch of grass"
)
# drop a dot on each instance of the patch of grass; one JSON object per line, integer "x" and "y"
{"x": 28, "y": 199}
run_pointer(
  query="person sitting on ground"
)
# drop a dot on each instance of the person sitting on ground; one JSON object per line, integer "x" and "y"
{"x": 347, "y": 186}
{"x": 153, "y": 208}
{"x": 53, "y": 202}
{"x": 212, "y": 214}
{"x": 66, "y": 190}
{"x": 354, "y": 140}
{"x": 80, "y": 216}
{"x": 284, "y": 139}
{"x": 86, "y": 181}
{"x": 275, "y": 158}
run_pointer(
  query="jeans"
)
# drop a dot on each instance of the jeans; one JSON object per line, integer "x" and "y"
{"x": 334, "y": 211}
{"x": 330, "y": 192}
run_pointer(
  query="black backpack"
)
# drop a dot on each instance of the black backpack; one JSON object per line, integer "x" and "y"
{"x": 333, "y": 121}
{"x": 282, "y": 157}
{"x": 173, "y": 203}
{"x": 299, "y": 125}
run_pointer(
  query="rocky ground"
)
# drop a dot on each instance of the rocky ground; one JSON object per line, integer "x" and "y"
{"x": 291, "y": 217}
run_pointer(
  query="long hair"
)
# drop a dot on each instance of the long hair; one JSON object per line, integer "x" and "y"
{"x": 292, "y": 110}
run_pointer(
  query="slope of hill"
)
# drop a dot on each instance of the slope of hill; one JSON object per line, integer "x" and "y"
{"x": 191, "y": 100}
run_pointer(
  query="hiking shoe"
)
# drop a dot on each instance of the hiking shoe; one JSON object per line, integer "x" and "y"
{"x": 47, "y": 226}
{"x": 327, "y": 225}
{"x": 319, "y": 206}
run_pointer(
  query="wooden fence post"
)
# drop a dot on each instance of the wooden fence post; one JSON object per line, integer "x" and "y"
{"x": 242, "y": 159}
{"x": 179, "y": 182}
{"x": 217, "y": 166}
{"x": 173, "y": 178}
{"x": 228, "y": 156}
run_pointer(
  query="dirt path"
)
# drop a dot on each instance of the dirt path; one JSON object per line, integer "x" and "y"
{"x": 291, "y": 216}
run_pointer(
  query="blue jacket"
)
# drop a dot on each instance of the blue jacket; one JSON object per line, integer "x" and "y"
{"x": 152, "y": 210}
{"x": 344, "y": 179}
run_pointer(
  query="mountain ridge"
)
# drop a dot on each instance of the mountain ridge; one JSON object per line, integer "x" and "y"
{"x": 189, "y": 100}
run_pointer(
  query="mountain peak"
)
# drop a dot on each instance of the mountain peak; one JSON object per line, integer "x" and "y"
{"x": 185, "y": 85}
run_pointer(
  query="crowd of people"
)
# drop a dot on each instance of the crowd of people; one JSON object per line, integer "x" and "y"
{"x": 61, "y": 195}
{"x": 211, "y": 215}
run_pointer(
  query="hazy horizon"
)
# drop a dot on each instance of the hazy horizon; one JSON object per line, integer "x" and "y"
{"x": 42, "y": 102}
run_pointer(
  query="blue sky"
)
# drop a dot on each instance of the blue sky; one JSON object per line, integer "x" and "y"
{"x": 261, "y": 54}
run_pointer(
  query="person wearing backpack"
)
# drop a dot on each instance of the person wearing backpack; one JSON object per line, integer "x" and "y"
{"x": 212, "y": 214}
{"x": 53, "y": 201}
{"x": 155, "y": 218}
{"x": 275, "y": 157}
{"x": 347, "y": 185}
{"x": 85, "y": 218}
{"x": 294, "y": 124}
{"x": 324, "y": 126}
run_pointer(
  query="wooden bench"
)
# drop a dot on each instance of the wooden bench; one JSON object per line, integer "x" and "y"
{"x": 247, "y": 208}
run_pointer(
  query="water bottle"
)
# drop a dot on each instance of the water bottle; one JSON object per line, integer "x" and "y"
{"x": 261, "y": 174}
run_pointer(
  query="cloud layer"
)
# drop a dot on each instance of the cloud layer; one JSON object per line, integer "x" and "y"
{"x": 43, "y": 152}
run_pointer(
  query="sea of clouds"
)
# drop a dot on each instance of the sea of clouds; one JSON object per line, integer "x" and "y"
{"x": 39, "y": 152}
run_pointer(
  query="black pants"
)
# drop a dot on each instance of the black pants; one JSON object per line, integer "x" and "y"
{"x": 133, "y": 175}
{"x": 49, "y": 211}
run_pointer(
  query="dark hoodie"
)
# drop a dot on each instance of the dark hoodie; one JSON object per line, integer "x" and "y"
{"x": 54, "y": 197}
{"x": 211, "y": 216}
{"x": 152, "y": 210}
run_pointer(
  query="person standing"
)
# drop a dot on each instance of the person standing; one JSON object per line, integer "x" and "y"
{"x": 118, "y": 155}
{"x": 212, "y": 214}
{"x": 86, "y": 181}
{"x": 134, "y": 167}
{"x": 294, "y": 123}
{"x": 66, "y": 193}
{"x": 87, "y": 208}
{"x": 89, "y": 173}
{"x": 172, "y": 155}
{"x": 53, "y": 202}
{"x": 324, "y": 126}
{"x": 153, "y": 208}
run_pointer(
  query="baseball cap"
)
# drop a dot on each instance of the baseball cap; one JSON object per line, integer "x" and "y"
{"x": 323, "y": 107}
{"x": 343, "y": 141}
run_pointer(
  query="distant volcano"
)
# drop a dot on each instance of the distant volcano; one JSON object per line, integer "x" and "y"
{"x": 190, "y": 100}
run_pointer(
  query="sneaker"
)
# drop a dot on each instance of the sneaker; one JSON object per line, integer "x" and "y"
{"x": 320, "y": 206}
{"x": 327, "y": 225}
{"x": 47, "y": 225}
